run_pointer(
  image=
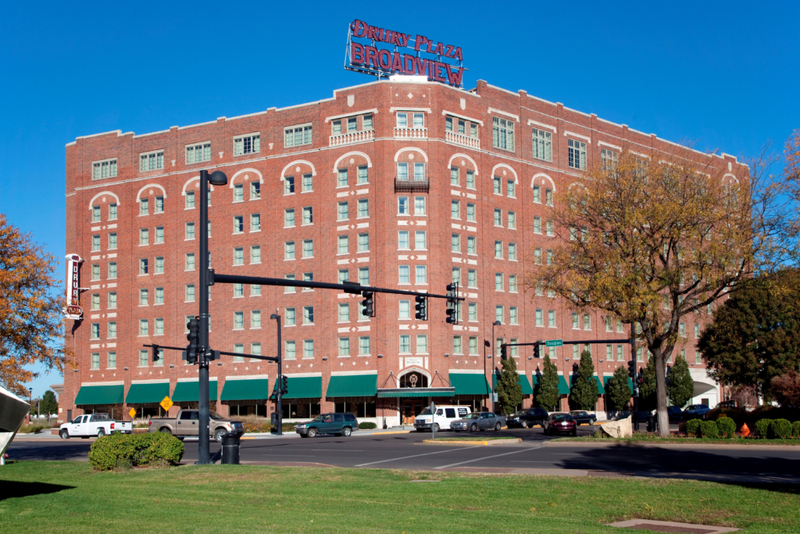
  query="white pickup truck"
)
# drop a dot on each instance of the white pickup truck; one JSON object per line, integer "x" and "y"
{"x": 96, "y": 424}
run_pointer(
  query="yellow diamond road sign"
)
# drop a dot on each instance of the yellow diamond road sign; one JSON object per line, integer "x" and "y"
{"x": 132, "y": 413}
{"x": 166, "y": 403}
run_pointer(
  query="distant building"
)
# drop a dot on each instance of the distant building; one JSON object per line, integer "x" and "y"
{"x": 402, "y": 184}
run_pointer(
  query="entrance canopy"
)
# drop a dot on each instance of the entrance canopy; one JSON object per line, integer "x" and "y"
{"x": 360, "y": 385}
{"x": 147, "y": 393}
{"x": 241, "y": 389}
{"x": 97, "y": 394}
{"x": 189, "y": 391}
{"x": 304, "y": 387}
{"x": 415, "y": 392}
{"x": 470, "y": 383}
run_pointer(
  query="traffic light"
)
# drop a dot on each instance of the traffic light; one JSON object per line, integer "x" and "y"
{"x": 640, "y": 378}
{"x": 156, "y": 354}
{"x": 632, "y": 368}
{"x": 368, "y": 303}
{"x": 284, "y": 384}
{"x": 503, "y": 352}
{"x": 452, "y": 303}
{"x": 421, "y": 308}
{"x": 194, "y": 334}
{"x": 537, "y": 351}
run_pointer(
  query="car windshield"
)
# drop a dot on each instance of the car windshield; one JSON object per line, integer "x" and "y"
{"x": 521, "y": 412}
{"x": 425, "y": 411}
{"x": 214, "y": 415}
{"x": 472, "y": 416}
{"x": 560, "y": 416}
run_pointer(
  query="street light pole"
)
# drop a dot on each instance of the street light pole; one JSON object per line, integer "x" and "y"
{"x": 203, "y": 349}
{"x": 278, "y": 384}
{"x": 494, "y": 350}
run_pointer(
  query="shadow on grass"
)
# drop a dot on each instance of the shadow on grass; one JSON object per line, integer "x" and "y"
{"x": 12, "y": 489}
{"x": 751, "y": 469}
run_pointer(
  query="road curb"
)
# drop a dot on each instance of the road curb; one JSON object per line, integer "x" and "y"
{"x": 485, "y": 442}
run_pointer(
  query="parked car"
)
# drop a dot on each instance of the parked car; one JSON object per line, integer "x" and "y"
{"x": 96, "y": 424}
{"x": 581, "y": 417}
{"x": 728, "y": 404}
{"x": 562, "y": 423}
{"x": 442, "y": 419}
{"x": 328, "y": 423}
{"x": 187, "y": 424}
{"x": 675, "y": 413}
{"x": 479, "y": 421}
{"x": 694, "y": 411}
{"x": 527, "y": 418}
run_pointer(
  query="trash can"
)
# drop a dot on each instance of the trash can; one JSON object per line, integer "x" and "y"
{"x": 230, "y": 448}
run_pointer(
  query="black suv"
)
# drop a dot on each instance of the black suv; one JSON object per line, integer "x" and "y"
{"x": 527, "y": 418}
{"x": 328, "y": 423}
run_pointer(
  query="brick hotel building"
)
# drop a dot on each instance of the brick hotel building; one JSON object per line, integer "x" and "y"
{"x": 400, "y": 183}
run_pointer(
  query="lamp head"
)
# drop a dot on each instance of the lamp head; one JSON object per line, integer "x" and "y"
{"x": 218, "y": 178}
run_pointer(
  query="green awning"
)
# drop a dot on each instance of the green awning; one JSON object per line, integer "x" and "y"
{"x": 523, "y": 384}
{"x": 534, "y": 380}
{"x": 147, "y": 393}
{"x": 630, "y": 383}
{"x": 190, "y": 391}
{"x": 361, "y": 385}
{"x": 239, "y": 389}
{"x": 304, "y": 387}
{"x": 600, "y": 389}
{"x": 470, "y": 383}
{"x": 563, "y": 387}
{"x": 100, "y": 395}
{"x": 415, "y": 392}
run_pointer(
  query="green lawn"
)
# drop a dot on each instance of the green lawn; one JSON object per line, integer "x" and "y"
{"x": 70, "y": 497}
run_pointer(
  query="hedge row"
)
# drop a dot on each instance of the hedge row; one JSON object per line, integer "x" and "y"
{"x": 725, "y": 427}
{"x": 131, "y": 450}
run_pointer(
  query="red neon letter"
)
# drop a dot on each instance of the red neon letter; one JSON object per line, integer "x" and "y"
{"x": 419, "y": 41}
{"x": 357, "y": 53}
{"x": 385, "y": 59}
{"x": 372, "y": 60}
{"x": 358, "y": 28}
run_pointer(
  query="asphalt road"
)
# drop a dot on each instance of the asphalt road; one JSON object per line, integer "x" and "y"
{"x": 535, "y": 455}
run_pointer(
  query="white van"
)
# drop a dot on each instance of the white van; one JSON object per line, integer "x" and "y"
{"x": 444, "y": 416}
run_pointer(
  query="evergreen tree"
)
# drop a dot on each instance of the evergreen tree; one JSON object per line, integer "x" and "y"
{"x": 680, "y": 386}
{"x": 583, "y": 395}
{"x": 618, "y": 392}
{"x": 509, "y": 392}
{"x": 48, "y": 404}
{"x": 647, "y": 391}
{"x": 546, "y": 394}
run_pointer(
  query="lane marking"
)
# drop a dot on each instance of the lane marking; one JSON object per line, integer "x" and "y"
{"x": 414, "y": 456}
{"x": 482, "y": 458}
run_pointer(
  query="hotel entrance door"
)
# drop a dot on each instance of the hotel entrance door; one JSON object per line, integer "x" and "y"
{"x": 410, "y": 409}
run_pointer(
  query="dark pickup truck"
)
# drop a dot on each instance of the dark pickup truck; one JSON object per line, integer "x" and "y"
{"x": 527, "y": 418}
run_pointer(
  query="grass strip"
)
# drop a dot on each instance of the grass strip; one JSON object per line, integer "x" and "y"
{"x": 69, "y": 497}
{"x": 653, "y": 438}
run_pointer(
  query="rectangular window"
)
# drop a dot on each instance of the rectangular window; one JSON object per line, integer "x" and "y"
{"x": 472, "y": 311}
{"x": 246, "y": 144}
{"x": 341, "y": 178}
{"x": 576, "y": 321}
{"x": 143, "y": 269}
{"x": 498, "y": 250}
{"x": 548, "y": 193}
{"x": 362, "y": 174}
{"x": 455, "y": 243}
{"x": 308, "y": 314}
{"x": 344, "y": 346}
{"x": 255, "y": 222}
{"x": 188, "y": 262}
{"x": 403, "y": 274}
{"x": 344, "y": 313}
{"x": 473, "y": 345}
{"x": 112, "y": 270}
{"x": 498, "y": 217}
{"x": 255, "y": 290}
{"x": 512, "y": 220}
{"x": 159, "y": 326}
{"x": 238, "y": 224}
{"x": 577, "y": 154}
{"x": 539, "y": 317}
{"x": 144, "y": 206}
{"x": 472, "y": 278}
{"x": 95, "y": 332}
{"x": 422, "y": 344}
{"x": 537, "y": 194}
{"x": 420, "y": 240}
{"x": 512, "y": 251}
{"x": 343, "y": 211}
{"x": 159, "y": 265}
{"x": 405, "y": 309}
{"x": 503, "y": 133}
{"x": 471, "y": 212}
{"x": 550, "y": 228}
{"x": 112, "y": 212}
{"x": 363, "y": 346}
{"x": 499, "y": 313}
{"x": 308, "y": 348}
{"x": 198, "y": 153}
{"x": 308, "y": 248}
{"x": 402, "y": 240}
{"x": 255, "y": 254}
{"x": 144, "y": 237}
{"x": 405, "y": 344}
{"x": 159, "y": 235}
{"x": 104, "y": 169}
{"x": 95, "y": 301}
{"x": 363, "y": 242}
{"x": 238, "y": 320}
{"x": 111, "y": 360}
{"x": 95, "y": 214}
{"x": 255, "y": 190}
{"x": 363, "y": 208}
{"x": 512, "y": 283}
{"x": 498, "y": 281}
{"x": 420, "y": 274}
{"x": 470, "y": 179}
{"x": 238, "y": 290}
{"x": 308, "y": 183}
{"x": 144, "y": 327}
{"x": 542, "y": 145}
{"x": 189, "y": 293}
{"x": 255, "y": 319}
{"x": 419, "y": 206}
{"x": 289, "y": 350}
{"x": 288, "y": 218}
{"x": 297, "y": 135}
{"x": 290, "y": 317}
{"x": 95, "y": 272}
{"x": 454, "y": 177}
{"x": 143, "y": 297}
{"x": 159, "y": 208}
{"x": 608, "y": 159}
{"x": 95, "y": 243}
{"x": 344, "y": 275}
{"x": 143, "y": 358}
{"x": 159, "y": 296}
{"x": 288, "y": 185}
{"x": 457, "y": 348}
{"x": 238, "y": 256}
{"x": 188, "y": 232}
{"x": 402, "y": 206}
{"x": 189, "y": 200}
{"x": 308, "y": 215}
{"x": 472, "y": 247}
{"x": 342, "y": 244}
{"x": 455, "y": 209}
{"x": 551, "y": 318}
{"x": 511, "y": 189}
{"x": 288, "y": 250}
{"x": 587, "y": 322}
{"x": 497, "y": 185}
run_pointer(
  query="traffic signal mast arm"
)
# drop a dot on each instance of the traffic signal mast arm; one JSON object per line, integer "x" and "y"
{"x": 253, "y": 356}
{"x": 346, "y": 287}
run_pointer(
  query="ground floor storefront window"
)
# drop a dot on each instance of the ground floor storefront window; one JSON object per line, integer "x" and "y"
{"x": 359, "y": 406}
{"x": 300, "y": 408}
{"x": 247, "y": 408}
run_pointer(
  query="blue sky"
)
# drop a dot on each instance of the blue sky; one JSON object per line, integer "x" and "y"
{"x": 720, "y": 75}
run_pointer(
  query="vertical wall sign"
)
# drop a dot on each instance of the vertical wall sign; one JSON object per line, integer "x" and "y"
{"x": 381, "y": 52}
{"x": 73, "y": 309}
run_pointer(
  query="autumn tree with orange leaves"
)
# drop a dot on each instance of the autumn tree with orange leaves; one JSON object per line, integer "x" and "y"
{"x": 652, "y": 237}
{"x": 31, "y": 315}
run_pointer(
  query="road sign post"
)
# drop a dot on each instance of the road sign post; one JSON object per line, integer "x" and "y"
{"x": 433, "y": 420}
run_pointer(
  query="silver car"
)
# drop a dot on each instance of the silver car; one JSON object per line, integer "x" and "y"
{"x": 479, "y": 421}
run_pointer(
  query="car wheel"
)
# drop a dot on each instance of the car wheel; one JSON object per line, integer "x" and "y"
{"x": 436, "y": 427}
{"x": 64, "y": 434}
{"x": 473, "y": 427}
{"x": 497, "y": 427}
{"x": 575, "y": 432}
{"x": 303, "y": 436}
{"x": 166, "y": 430}
{"x": 456, "y": 430}
{"x": 312, "y": 432}
{"x": 346, "y": 431}
{"x": 101, "y": 432}
{"x": 218, "y": 434}
{"x": 546, "y": 431}
{"x": 591, "y": 422}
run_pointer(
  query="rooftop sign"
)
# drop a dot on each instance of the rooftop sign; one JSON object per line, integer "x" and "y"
{"x": 381, "y": 52}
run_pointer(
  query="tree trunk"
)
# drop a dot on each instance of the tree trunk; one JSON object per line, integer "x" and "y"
{"x": 661, "y": 393}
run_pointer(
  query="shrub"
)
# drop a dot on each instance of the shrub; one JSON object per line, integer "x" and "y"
{"x": 762, "y": 427}
{"x": 781, "y": 428}
{"x": 693, "y": 427}
{"x": 159, "y": 448}
{"x": 726, "y": 426}
{"x": 796, "y": 429}
{"x": 367, "y": 426}
{"x": 33, "y": 428}
{"x": 709, "y": 429}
